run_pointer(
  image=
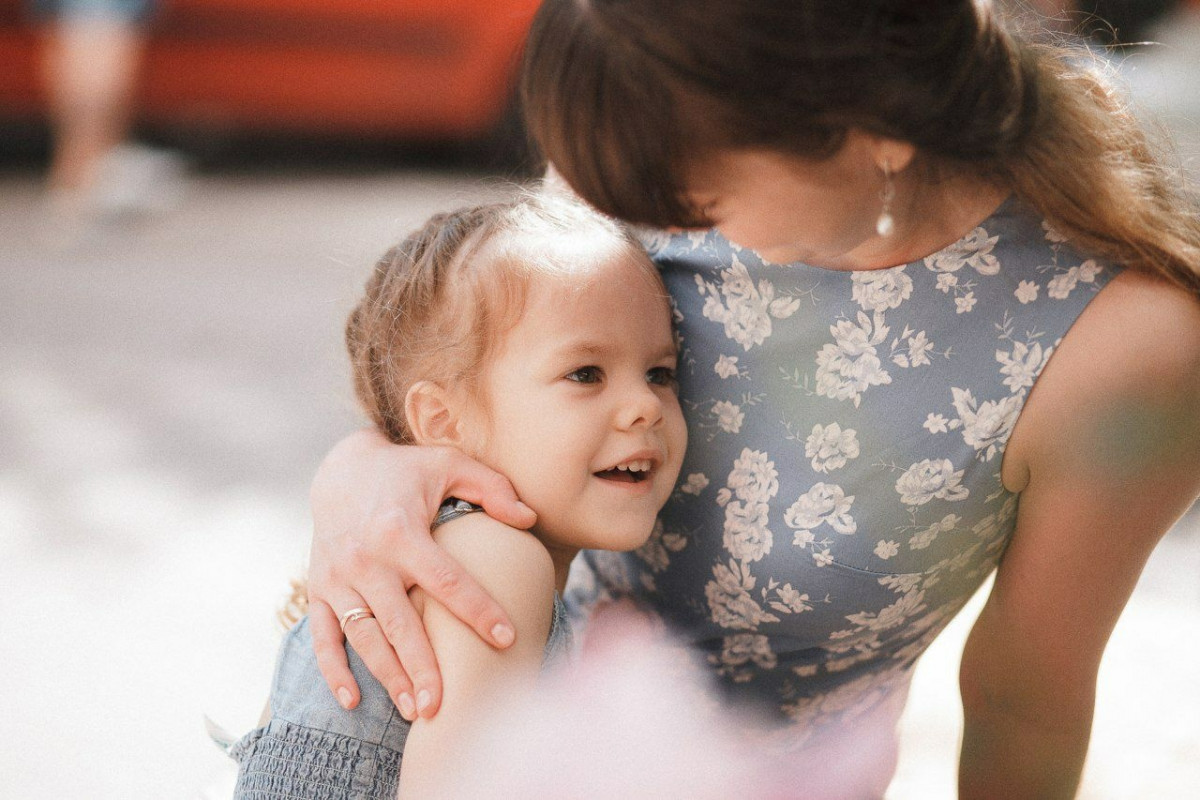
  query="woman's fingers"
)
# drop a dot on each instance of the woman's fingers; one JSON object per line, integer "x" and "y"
{"x": 447, "y": 582}
{"x": 365, "y": 635}
{"x": 372, "y": 506}
{"x": 478, "y": 484}
{"x": 403, "y": 638}
{"x": 331, "y": 655}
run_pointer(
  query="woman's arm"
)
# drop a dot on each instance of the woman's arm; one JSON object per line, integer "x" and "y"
{"x": 516, "y": 570}
{"x": 1107, "y": 455}
{"x": 372, "y": 503}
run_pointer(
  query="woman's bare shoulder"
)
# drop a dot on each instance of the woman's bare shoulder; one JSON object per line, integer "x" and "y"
{"x": 1128, "y": 368}
{"x": 1150, "y": 327}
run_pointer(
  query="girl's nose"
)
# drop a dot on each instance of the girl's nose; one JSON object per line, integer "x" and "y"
{"x": 640, "y": 406}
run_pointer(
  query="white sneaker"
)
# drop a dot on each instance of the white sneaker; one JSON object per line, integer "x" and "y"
{"x": 134, "y": 180}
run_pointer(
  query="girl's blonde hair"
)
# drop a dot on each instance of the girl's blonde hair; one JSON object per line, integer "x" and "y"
{"x": 623, "y": 96}
{"x": 440, "y": 301}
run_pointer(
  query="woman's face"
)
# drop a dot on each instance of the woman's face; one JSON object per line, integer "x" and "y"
{"x": 790, "y": 209}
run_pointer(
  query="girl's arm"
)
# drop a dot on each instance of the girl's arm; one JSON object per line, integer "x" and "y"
{"x": 517, "y": 571}
{"x": 372, "y": 503}
{"x": 1107, "y": 454}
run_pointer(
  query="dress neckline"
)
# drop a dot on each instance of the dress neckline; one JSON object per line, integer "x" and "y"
{"x": 1005, "y": 208}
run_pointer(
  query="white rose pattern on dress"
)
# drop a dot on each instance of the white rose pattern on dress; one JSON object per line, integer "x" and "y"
{"x": 788, "y": 600}
{"x": 1022, "y": 365}
{"x": 729, "y": 598}
{"x": 886, "y": 549}
{"x": 985, "y": 426}
{"x": 739, "y": 650}
{"x": 1026, "y": 292}
{"x": 936, "y": 423}
{"x": 917, "y": 352}
{"x": 753, "y": 483}
{"x": 974, "y": 251}
{"x": 851, "y": 365}
{"x": 747, "y": 537}
{"x": 925, "y": 538}
{"x": 656, "y": 552}
{"x": 881, "y": 289}
{"x": 911, "y": 514}
{"x": 823, "y": 503}
{"x": 743, "y": 307}
{"x": 754, "y": 477}
{"x": 930, "y": 479}
{"x": 1064, "y": 283}
{"x": 830, "y": 447}
{"x": 726, "y": 366}
{"x": 721, "y": 417}
{"x": 729, "y": 416}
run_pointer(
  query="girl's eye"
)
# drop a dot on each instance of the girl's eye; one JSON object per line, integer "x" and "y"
{"x": 661, "y": 376}
{"x": 585, "y": 375}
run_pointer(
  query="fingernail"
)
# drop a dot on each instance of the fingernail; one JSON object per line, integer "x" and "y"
{"x": 503, "y": 634}
{"x": 423, "y": 699}
{"x": 344, "y": 697}
{"x": 407, "y": 709}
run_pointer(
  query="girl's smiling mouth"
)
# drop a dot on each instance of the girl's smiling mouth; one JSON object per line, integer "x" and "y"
{"x": 632, "y": 470}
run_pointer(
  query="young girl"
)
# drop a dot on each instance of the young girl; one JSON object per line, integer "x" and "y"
{"x": 534, "y": 336}
{"x": 946, "y": 326}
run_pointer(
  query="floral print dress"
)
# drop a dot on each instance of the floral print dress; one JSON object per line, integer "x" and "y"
{"x": 841, "y": 497}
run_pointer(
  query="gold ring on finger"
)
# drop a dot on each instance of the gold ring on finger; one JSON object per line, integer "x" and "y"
{"x": 353, "y": 614}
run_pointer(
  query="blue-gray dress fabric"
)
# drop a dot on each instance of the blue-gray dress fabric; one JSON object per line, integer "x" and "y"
{"x": 312, "y": 748}
{"x": 841, "y": 497}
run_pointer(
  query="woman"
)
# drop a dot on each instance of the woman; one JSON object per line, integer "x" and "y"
{"x": 947, "y": 322}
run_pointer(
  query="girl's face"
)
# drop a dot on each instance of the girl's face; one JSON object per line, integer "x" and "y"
{"x": 581, "y": 411}
{"x": 789, "y": 209}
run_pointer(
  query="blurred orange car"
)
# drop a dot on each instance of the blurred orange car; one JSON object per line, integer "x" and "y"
{"x": 430, "y": 69}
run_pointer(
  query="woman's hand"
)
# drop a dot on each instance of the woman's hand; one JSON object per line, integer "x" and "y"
{"x": 373, "y": 503}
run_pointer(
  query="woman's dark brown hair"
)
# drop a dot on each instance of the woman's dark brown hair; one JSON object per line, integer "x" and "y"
{"x": 623, "y": 96}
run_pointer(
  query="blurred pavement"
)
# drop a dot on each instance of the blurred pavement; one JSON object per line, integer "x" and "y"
{"x": 165, "y": 396}
{"x": 164, "y": 399}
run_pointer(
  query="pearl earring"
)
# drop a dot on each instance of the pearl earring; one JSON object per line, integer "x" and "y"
{"x": 886, "y": 224}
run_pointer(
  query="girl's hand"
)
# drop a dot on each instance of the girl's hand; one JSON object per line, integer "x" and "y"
{"x": 372, "y": 504}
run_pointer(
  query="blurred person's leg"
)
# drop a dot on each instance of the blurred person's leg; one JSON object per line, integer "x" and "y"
{"x": 93, "y": 52}
{"x": 91, "y": 65}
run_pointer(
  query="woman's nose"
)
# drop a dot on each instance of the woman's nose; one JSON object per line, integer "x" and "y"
{"x": 641, "y": 405}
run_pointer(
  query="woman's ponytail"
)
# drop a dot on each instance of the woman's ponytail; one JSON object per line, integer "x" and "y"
{"x": 1089, "y": 167}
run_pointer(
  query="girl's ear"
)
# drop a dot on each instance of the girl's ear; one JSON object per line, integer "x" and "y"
{"x": 432, "y": 417}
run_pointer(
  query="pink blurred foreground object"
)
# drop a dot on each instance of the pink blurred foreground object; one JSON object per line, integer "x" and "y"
{"x": 633, "y": 717}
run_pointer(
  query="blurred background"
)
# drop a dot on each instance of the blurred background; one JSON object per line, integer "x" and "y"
{"x": 191, "y": 194}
